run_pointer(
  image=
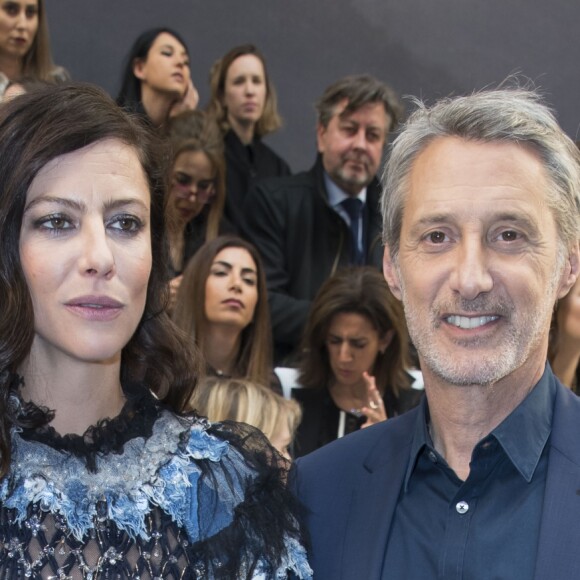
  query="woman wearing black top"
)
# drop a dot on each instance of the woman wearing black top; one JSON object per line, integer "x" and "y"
{"x": 355, "y": 359}
{"x": 243, "y": 101}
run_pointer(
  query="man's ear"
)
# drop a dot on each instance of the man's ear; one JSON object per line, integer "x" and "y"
{"x": 391, "y": 273}
{"x": 138, "y": 66}
{"x": 320, "y": 132}
{"x": 571, "y": 271}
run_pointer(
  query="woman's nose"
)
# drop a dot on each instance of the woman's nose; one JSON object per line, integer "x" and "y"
{"x": 96, "y": 256}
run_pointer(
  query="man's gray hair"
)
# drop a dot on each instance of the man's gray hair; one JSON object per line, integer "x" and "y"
{"x": 507, "y": 115}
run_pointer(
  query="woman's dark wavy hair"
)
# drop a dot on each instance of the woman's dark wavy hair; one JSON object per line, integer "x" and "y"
{"x": 362, "y": 291}
{"x": 129, "y": 96}
{"x": 36, "y": 128}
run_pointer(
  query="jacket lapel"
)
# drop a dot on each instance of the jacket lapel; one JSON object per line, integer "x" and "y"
{"x": 558, "y": 554}
{"x": 372, "y": 508}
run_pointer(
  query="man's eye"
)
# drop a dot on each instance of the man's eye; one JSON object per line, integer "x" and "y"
{"x": 509, "y": 236}
{"x": 436, "y": 237}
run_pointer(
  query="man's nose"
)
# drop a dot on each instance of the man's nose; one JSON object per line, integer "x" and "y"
{"x": 471, "y": 275}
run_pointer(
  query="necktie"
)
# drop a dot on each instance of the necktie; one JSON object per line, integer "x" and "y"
{"x": 353, "y": 207}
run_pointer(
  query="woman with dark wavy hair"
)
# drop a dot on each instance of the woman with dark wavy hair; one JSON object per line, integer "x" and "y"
{"x": 101, "y": 472}
{"x": 243, "y": 102}
{"x": 355, "y": 358}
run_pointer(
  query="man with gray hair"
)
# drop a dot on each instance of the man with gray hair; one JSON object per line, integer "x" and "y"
{"x": 481, "y": 212}
{"x": 306, "y": 226}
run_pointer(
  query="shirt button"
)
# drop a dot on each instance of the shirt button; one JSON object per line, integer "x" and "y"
{"x": 462, "y": 507}
{"x": 432, "y": 456}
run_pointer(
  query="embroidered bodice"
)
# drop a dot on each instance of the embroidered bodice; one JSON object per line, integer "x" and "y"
{"x": 172, "y": 497}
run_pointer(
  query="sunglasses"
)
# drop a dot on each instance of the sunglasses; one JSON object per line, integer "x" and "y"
{"x": 204, "y": 189}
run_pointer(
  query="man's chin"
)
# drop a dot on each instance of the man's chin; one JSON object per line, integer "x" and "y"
{"x": 353, "y": 182}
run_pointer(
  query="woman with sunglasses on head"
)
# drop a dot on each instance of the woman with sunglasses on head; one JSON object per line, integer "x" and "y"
{"x": 102, "y": 473}
{"x": 243, "y": 101}
{"x": 24, "y": 44}
{"x": 196, "y": 188}
{"x": 156, "y": 78}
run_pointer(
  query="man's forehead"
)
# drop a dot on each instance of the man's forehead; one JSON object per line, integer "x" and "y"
{"x": 374, "y": 112}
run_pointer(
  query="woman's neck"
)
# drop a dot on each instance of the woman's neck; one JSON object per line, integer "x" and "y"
{"x": 222, "y": 347}
{"x": 157, "y": 105}
{"x": 11, "y": 66}
{"x": 244, "y": 131}
{"x": 80, "y": 393}
{"x": 176, "y": 245}
{"x": 349, "y": 397}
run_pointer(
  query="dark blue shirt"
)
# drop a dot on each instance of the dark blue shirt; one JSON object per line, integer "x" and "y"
{"x": 486, "y": 527}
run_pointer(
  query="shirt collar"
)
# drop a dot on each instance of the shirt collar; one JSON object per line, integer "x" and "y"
{"x": 336, "y": 195}
{"x": 522, "y": 434}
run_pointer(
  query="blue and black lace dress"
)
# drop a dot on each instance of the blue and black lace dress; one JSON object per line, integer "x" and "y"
{"x": 147, "y": 495}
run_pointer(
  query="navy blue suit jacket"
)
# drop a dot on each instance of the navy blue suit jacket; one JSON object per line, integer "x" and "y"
{"x": 350, "y": 490}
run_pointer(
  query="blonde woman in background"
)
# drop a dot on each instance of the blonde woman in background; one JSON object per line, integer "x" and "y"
{"x": 221, "y": 399}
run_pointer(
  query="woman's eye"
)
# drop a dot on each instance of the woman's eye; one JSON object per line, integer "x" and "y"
{"x": 250, "y": 281}
{"x": 126, "y": 224}
{"x": 11, "y": 8}
{"x": 31, "y": 11}
{"x": 54, "y": 222}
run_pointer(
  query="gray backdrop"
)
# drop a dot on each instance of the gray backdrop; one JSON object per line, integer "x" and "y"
{"x": 427, "y": 48}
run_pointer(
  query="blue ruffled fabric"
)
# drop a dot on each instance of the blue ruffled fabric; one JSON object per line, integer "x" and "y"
{"x": 199, "y": 479}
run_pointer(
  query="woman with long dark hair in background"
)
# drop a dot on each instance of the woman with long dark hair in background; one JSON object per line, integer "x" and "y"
{"x": 156, "y": 79}
{"x": 355, "y": 359}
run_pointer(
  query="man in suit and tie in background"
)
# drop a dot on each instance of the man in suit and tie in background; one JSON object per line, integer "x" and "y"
{"x": 308, "y": 225}
{"x": 481, "y": 215}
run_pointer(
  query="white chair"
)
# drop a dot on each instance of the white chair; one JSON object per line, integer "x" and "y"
{"x": 288, "y": 379}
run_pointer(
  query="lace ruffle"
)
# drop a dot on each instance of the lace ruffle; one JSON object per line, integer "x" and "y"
{"x": 221, "y": 483}
{"x": 136, "y": 419}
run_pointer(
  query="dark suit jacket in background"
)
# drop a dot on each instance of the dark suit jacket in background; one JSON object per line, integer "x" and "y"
{"x": 350, "y": 490}
{"x": 303, "y": 241}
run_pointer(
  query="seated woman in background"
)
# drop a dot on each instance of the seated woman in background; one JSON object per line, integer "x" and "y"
{"x": 24, "y": 44}
{"x": 355, "y": 356}
{"x": 564, "y": 349}
{"x": 243, "y": 101}
{"x": 196, "y": 188}
{"x": 156, "y": 80}
{"x": 222, "y": 303}
{"x": 102, "y": 475}
{"x": 221, "y": 399}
